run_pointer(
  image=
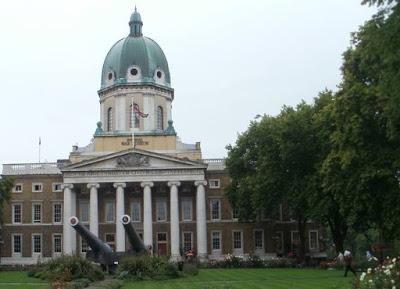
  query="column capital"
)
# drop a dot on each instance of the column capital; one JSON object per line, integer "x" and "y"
{"x": 200, "y": 183}
{"x": 122, "y": 185}
{"x": 146, "y": 184}
{"x": 67, "y": 186}
{"x": 93, "y": 185}
{"x": 174, "y": 183}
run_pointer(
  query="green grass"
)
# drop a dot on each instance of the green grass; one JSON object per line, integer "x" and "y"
{"x": 216, "y": 278}
{"x": 252, "y": 279}
{"x": 19, "y": 280}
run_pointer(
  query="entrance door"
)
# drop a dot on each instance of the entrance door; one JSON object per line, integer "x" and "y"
{"x": 162, "y": 244}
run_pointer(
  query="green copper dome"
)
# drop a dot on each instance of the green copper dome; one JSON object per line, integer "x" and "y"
{"x": 135, "y": 59}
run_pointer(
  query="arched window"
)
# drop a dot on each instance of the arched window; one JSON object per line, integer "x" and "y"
{"x": 160, "y": 118}
{"x": 134, "y": 118}
{"x": 109, "y": 119}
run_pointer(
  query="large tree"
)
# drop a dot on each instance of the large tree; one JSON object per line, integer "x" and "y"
{"x": 273, "y": 163}
{"x": 364, "y": 163}
{"x": 6, "y": 185}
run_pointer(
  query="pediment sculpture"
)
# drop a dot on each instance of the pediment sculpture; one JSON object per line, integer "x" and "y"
{"x": 133, "y": 160}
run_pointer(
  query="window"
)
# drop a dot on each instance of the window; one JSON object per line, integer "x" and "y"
{"x": 313, "y": 240}
{"x": 36, "y": 243}
{"x": 215, "y": 210}
{"x": 134, "y": 118}
{"x": 84, "y": 211}
{"x": 295, "y": 240}
{"x": 57, "y": 213}
{"x": 187, "y": 209}
{"x": 110, "y": 212}
{"x": 18, "y": 188}
{"x": 160, "y": 120}
{"x": 57, "y": 243}
{"x": 56, "y": 187}
{"x": 258, "y": 239}
{"x": 84, "y": 245}
{"x": 37, "y": 187}
{"x": 17, "y": 213}
{"x": 214, "y": 183}
{"x": 134, "y": 71}
{"x": 235, "y": 213}
{"x": 216, "y": 242}
{"x": 110, "y": 240}
{"x": 187, "y": 241}
{"x": 135, "y": 211}
{"x": 36, "y": 213}
{"x": 161, "y": 209}
{"x": 109, "y": 119}
{"x": 237, "y": 240}
{"x": 16, "y": 244}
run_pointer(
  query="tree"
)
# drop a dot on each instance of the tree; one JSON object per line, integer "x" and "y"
{"x": 364, "y": 163}
{"x": 273, "y": 163}
{"x": 6, "y": 185}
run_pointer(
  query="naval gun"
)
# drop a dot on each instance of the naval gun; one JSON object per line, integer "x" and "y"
{"x": 100, "y": 252}
{"x": 137, "y": 244}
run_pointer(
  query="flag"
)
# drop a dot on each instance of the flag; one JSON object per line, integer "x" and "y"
{"x": 135, "y": 109}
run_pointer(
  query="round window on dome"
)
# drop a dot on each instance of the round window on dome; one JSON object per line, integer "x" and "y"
{"x": 110, "y": 76}
{"x": 134, "y": 71}
{"x": 159, "y": 74}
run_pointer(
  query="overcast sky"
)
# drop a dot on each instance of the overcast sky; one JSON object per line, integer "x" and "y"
{"x": 229, "y": 61}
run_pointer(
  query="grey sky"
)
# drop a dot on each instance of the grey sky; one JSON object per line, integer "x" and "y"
{"x": 229, "y": 61}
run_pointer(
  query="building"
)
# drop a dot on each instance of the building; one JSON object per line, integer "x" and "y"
{"x": 136, "y": 165}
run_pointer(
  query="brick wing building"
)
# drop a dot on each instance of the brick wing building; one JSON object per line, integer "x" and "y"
{"x": 136, "y": 165}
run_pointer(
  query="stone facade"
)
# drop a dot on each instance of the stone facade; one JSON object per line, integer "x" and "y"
{"x": 174, "y": 196}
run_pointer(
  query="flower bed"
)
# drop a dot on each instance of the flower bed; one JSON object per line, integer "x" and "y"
{"x": 386, "y": 276}
{"x": 252, "y": 261}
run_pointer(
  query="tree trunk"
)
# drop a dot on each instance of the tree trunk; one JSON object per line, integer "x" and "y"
{"x": 338, "y": 230}
{"x": 301, "y": 254}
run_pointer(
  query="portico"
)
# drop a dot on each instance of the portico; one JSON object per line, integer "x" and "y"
{"x": 118, "y": 173}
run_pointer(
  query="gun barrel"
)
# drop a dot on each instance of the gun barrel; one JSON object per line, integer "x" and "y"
{"x": 97, "y": 245}
{"x": 137, "y": 244}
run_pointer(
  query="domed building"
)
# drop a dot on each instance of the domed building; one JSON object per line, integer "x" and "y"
{"x": 136, "y": 164}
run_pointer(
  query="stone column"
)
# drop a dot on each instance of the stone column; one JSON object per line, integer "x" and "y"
{"x": 201, "y": 222}
{"x": 120, "y": 211}
{"x": 94, "y": 207}
{"x": 147, "y": 214}
{"x": 174, "y": 221}
{"x": 69, "y": 234}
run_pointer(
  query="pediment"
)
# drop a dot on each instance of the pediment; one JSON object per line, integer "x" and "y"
{"x": 134, "y": 159}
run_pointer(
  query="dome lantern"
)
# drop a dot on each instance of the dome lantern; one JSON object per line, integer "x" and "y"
{"x": 136, "y": 24}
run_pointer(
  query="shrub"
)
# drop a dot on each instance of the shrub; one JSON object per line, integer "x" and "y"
{"x": 386, "y": 276}
{"x": 190, "y": 269}
{"x": 69, "y": 268}
{"x": 146, "y": 267}
{"x": 254, "y": 262}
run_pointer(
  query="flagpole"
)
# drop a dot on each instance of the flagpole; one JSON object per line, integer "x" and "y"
{"x": 40, "y": 143}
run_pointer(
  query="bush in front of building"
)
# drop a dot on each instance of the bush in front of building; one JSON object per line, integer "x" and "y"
{"x": 385, "y": 276}
{"x": 190, "y": 269}
{"x": 65, "y": 269}
{"x": 252, "y": 261}
{"x": 147, "y": 268}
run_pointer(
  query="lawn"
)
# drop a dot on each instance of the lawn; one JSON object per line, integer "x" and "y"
{"x": 19, "y": 280}
{"x": 216, "y": 278}
{"x": 252, "y": 279}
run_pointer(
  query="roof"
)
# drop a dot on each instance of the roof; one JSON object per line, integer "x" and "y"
{"x": 135, "y": 52}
